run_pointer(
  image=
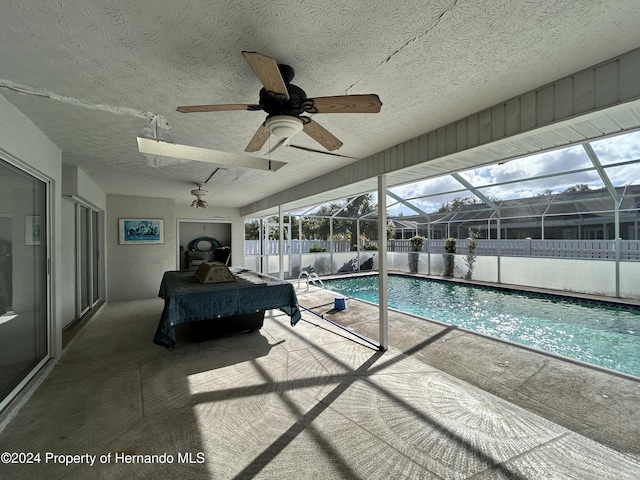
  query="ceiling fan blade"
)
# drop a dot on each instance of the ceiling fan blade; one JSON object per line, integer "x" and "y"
{"x": 344, "y": 104}
{"x": 267, "y": 71}
{"x": 258, "y": 139}
{"x": 198, "y": 154}
{"x": 307, "y": 149}
{"x": 218, "y": 108}
{"x": 321, "y": 135}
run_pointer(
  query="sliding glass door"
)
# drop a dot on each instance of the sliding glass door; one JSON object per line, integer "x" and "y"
{"x": 24, "y": 278}
{"x": 87, "y": 258}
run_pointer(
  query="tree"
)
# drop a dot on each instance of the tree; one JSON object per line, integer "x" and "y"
{"x": 578, "y": 187}
{"x": 344, "y": 223}
{"x": 457, "y": 203}
{"x": 252, "y": 229}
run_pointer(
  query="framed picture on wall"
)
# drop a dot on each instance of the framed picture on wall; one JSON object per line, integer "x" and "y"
{"x": 134, "y": 231}
{"x": 32, "y": 230}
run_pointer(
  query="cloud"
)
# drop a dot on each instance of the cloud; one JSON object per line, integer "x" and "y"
{"x": 619, "y": 148}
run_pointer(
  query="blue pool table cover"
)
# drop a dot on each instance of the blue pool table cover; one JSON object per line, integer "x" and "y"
{"x": 187, "y": 300}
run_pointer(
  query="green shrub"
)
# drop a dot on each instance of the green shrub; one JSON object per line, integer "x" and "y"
{"x": 470, "y": 259}
{"x": 417, "y": 243}
{"x": 450, "y": 248}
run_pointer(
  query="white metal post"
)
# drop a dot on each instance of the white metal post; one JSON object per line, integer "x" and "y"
{"x": 281, "y": 241}
{"x": 382, "y": 263}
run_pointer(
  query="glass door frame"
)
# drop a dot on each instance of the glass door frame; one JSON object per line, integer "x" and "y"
{"x": 93, "y": 244}
{"x": 46, "y": 240}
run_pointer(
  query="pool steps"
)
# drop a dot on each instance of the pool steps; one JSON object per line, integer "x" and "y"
{"x": 310, "y": 278}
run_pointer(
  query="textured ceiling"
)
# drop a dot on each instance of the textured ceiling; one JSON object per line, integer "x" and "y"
{"x": 98, "y": 66}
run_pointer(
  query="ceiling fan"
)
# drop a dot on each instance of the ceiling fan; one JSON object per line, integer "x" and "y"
{"x": 285, "y": 104}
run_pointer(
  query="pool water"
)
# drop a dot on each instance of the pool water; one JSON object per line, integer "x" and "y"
{"x": 608, "y": 336}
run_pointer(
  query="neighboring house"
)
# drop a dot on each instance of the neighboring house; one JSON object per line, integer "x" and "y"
{"x": 586, "y": 215}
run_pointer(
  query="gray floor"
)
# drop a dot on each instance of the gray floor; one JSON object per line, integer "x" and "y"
{"x": 310, "y": 402}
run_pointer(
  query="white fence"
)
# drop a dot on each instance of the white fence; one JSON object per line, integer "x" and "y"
{"x": 270, "y": 247}
{"x": 589, "y": 249}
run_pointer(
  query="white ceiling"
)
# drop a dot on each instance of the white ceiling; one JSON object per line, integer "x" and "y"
{"x": 96, "y": 67}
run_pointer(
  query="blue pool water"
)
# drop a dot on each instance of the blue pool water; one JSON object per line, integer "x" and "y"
{"x": 608, "y": 336}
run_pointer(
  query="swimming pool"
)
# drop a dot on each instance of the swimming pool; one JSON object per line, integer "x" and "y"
{"x": 597, "y": 333}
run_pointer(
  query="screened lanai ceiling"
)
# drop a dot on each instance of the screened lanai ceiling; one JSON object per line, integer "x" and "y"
{"x": 92, "y": 74}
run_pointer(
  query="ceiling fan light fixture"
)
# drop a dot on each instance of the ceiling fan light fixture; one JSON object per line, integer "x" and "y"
{"x": 199, "y": 193}
{"x": 284, "y": 126}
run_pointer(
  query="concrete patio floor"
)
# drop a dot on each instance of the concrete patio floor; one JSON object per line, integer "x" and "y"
{"x": 313, "y": 401}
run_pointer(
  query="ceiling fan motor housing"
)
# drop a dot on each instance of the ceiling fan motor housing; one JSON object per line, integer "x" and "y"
{"x": 275, "y": 104}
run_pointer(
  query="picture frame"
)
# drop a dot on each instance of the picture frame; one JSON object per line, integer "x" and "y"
{"x": 140, "y": 231}
{"x": 32, "y": 230}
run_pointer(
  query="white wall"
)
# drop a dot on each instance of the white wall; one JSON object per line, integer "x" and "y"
{"x": 77, "y": 183}
{"x": 22, "y": 140}
{"x": 135, "y": 271}
{"x": 630, "y": 280}
{"x": 595, "y": 277}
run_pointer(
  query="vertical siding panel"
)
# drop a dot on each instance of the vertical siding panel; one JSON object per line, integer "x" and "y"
{"x": 350, "y": 173}
{"x": 461, "y": 135}
{"x": 441, "y": 142}
{"x": 630, "y": 75}
{"x": 583, "y": 91}
{"x": 358, "y": 170}
{"x": 378, "y": 167}
{"x": 498, "y": 122}
{"x": 528, "y": 111}
{"x": 484, "y": 127}
{"x": 369, "y": 170}
{"x": 512, "y": 116}
{"x": 432, "y": 146}
{"x": 389, "y": 160}
{"x": 607, "y": 86}
{"x": 473, "y": 130}
{"x": 450, "y": 138}
{"x": 544, "y": 106}
{"x": 424, "y": 148}
{"x": 416, "y": 155}
{"x": 400, "y": 155}
{"x": 564, "y": 98}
